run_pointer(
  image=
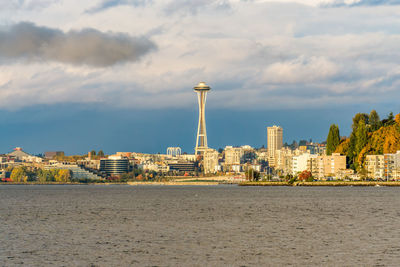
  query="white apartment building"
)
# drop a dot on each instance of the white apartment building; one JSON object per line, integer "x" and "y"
{"x": 210, "y": 160}
{"x": 233, "y": 155}
{"x": 300, "y": 163}
{"x": 392, "y": 166}
{"x": 375, "y": 166}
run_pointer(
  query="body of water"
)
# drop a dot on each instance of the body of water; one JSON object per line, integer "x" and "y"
{"x": 78, "y": 225}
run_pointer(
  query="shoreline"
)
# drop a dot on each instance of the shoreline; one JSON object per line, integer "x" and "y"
{"x": 332, "y": 183}
{"x": 215, "y": 183}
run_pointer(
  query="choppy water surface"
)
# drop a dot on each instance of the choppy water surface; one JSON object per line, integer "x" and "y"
{"x": 197, "y": 226}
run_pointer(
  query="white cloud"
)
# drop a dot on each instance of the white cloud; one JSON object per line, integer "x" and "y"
{"x": 254, "y": 54}
{"x": 300, "y": 70}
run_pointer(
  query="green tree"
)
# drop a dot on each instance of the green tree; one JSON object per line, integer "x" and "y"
{"x": 93, "y": 153}
{"x": 374, "y": 121}
{"x": 63, "y": 176}
{"x": 100, "y": 153}
{"x": 389, "y": 120}
{"x": 46, "y": 175}
{"x": 357, "y": 118}
{"x": 361, "y": 137}
{"x": 333, "y": 139}
{"x": 252, "y": 175}
{"x": 19, "y": 175}
{"x": 42, "y": 175}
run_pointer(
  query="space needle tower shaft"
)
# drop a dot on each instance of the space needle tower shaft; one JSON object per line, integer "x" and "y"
{"x": 201, "y": 140}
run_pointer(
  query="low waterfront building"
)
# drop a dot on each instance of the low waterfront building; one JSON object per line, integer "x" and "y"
{"x": 235, "y": 168}
{"x": 114, "y": 165}
{"x": 333, "y": 164}
{"x": 157, "y": 167}
{"x": 375, "y": 166}
{"x": 21, "y": 155}
{"x": 392, "y": 166}
{"x": 327, "y": 166}
{"x": 182, "y": 166}
{"x": 300, "y": 163}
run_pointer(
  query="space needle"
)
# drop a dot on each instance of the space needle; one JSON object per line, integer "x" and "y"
{"x": 201, "y": 140}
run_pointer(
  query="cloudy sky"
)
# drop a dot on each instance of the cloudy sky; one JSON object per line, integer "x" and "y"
{"x": 118, "y": 75}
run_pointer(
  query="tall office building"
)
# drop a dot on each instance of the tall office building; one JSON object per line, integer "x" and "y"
{"x": 274, "y": 142}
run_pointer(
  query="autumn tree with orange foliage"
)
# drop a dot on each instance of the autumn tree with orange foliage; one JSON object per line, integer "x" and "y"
{"x": 306, "y": 176}
{"x": 364, "y": 140}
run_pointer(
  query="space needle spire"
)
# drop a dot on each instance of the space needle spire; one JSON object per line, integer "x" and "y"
{"x": 201, "y": 140}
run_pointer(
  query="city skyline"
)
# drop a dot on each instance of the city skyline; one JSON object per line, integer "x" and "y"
{"x": 129, "y": 86}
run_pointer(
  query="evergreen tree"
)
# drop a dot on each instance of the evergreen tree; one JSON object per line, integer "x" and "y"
{"x": 357, "y": 118}
{"x": 100, "y": 153}
{"x": 351, "y": 150}
{"x": 389, "y": 120}
{"x": 333, "y": 139}
{"x": 374, "y": 121}
{"x": 361, "y": 137}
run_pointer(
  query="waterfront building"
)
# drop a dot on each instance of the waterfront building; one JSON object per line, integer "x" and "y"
{"x": 324, "y": 166}
{"x": 235, "y": 168}
{"x": 114, "y": 165}
{"x": 334, "y": 163}
{"x": 233, "y": 156}
{"x": 274, "y": 142}
{"x": 77, "y": 171}
{"x": 157, "y": 167}
{"x": 19, "y": 154}
{"x": 316, "y": 166}
{"x": 375, "y": 166}
{"x": 182, "y": 166}
{"x": 210, "y": 160}
{"x": 392, "y": 166}
{"x": 300, "y": 163}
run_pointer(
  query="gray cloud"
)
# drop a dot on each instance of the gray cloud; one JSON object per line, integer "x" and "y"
{"x": 86, "y": 47}
{"x": 341, "y": 3}
{"x": 26, "y": 4}
{"x": 193, "y": 6}
{"x": 106, "y": 4}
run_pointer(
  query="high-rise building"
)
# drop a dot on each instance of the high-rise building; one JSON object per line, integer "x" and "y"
{"x": 274, "y": 142}
{"x": 201, "y": 139}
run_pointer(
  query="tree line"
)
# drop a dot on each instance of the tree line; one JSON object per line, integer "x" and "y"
{"x": 369, "y": 135}
{"x": 22, "y": 174}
